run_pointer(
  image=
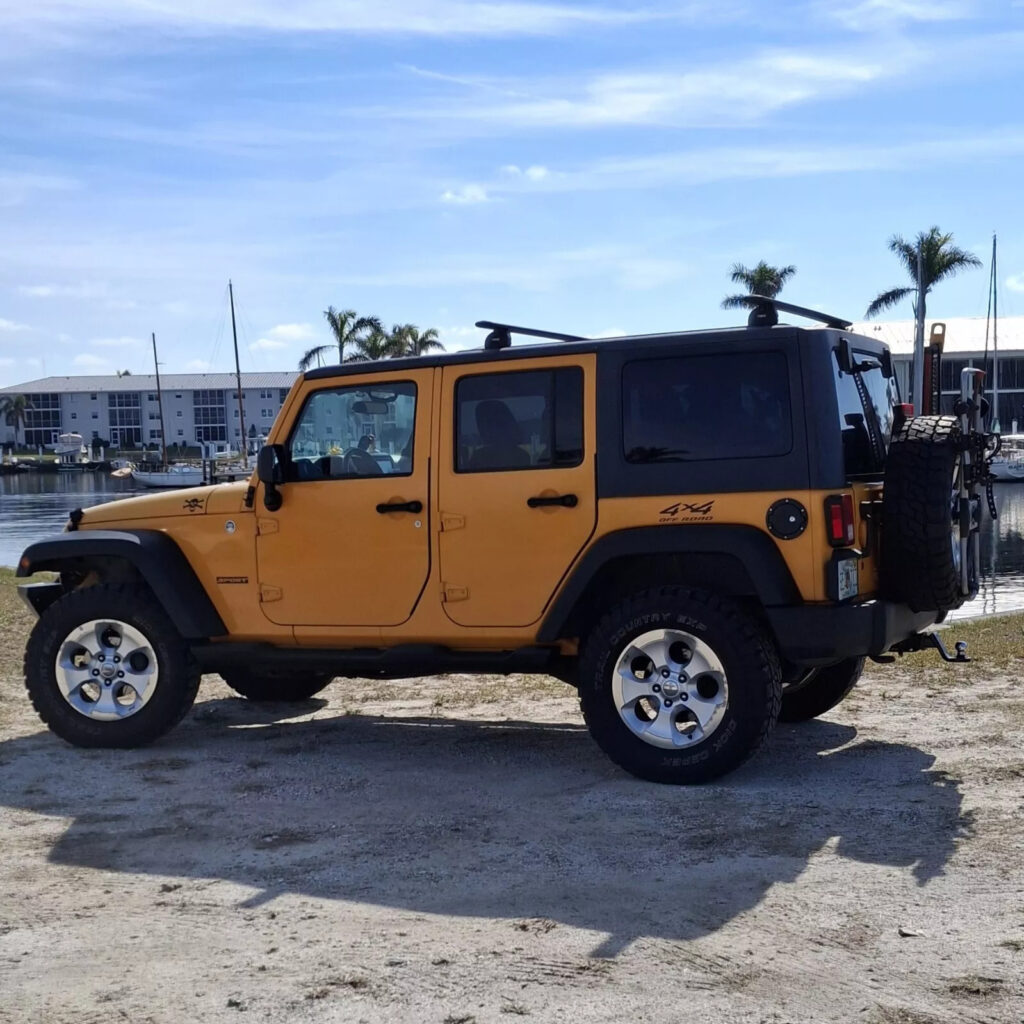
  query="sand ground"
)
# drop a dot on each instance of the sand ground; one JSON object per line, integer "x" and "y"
{"x": 456, "y": 850}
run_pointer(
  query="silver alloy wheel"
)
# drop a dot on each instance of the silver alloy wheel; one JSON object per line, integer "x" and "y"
{"x": 106, "y": 669}
{"x": 670, "y": 689}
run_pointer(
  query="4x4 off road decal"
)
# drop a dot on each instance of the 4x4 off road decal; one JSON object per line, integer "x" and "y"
{"x": 687, "y": 512}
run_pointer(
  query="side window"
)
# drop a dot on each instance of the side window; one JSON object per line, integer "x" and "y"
{"x": 519, "y": 420}
{"x": 706, "y": 407}
{"x": 855, "y": 422}
{"x": 354, "y": 432}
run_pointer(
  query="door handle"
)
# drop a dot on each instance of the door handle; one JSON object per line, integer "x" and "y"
{"x": 401, "y": 506}
{"x": 565, "y": 500}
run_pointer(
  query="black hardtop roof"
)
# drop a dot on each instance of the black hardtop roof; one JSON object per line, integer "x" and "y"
{"x": 631, "y": 342}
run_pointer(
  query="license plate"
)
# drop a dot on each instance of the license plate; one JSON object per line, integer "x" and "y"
{"x": 848, "y": 578}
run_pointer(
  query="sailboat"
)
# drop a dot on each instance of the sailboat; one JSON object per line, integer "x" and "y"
{"x": 166, "y": 476}
{"x": 1009, "y": 463}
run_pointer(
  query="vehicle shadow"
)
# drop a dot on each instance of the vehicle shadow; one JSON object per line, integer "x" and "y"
{"x": 506, "y": 819}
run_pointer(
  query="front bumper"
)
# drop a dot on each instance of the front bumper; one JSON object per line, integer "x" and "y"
{"x": 821, "y": 634}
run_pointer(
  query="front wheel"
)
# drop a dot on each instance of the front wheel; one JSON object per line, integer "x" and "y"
{"x": 105, "y": 667}
{"x": 679, "y": 686}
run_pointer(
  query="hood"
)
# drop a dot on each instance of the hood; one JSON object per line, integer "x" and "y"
{"x": 188, "y": 501}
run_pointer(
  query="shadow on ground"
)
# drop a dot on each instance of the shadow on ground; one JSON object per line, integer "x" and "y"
{"x": 505, "y": 819}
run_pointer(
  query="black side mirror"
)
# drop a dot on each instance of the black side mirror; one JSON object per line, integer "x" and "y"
{"x": 268, "y": 470}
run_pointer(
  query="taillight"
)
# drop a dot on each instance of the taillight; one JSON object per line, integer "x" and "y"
{"x": 839, "y": 520}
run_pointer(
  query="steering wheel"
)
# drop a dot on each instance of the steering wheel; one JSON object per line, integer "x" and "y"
{"x": 360, "y": 463}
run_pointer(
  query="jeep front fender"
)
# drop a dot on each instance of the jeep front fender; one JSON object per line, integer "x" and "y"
{"x": 156, "y": 558}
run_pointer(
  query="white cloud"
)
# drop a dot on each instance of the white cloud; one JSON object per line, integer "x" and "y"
{"x": 86, "y": 290}
{"x": 122, "y": 342}
{"x": 1016, "y": 282}
{"x": 465, "y": 196}
{"x": 534, "y": 173}
{"x": 90, "y": 361}
{"x": 291, "y": 332}
{"x": 267, "y": 345}
{"x": 405, "y": 17}
{"x": 869, "y": 15}
{"x": 10, "y": 325}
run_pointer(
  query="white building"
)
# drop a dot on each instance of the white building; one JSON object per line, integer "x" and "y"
{"x": 965, "y": 345}
{"x": 124, "y": 410}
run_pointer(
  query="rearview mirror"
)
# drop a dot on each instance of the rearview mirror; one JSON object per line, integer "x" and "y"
{"x": 268, "y": 470}
{"x": 371, "y": 408}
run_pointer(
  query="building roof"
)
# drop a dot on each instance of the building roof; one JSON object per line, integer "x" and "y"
{"x": 147, "y": 382}
{"x": 964, "y": 334}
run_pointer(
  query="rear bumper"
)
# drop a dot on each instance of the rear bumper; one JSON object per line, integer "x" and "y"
{"x": 820, "y": 634}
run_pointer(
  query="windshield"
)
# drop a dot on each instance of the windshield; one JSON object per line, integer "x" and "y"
{"x": 865, "y": 413}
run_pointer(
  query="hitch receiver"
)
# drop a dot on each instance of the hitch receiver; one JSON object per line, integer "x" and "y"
{"x": 931, "y": 641}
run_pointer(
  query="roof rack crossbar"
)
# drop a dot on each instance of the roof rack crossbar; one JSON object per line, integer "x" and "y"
{"x": 501, "y": 334}
{"x": 764, "y": 313}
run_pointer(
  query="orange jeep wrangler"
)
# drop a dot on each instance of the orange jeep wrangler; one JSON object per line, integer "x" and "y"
{"x": 699, "y": 531}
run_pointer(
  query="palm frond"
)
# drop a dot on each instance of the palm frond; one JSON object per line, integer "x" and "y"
{"x": 887, "y": 300}
{"x": 313, "y": 355}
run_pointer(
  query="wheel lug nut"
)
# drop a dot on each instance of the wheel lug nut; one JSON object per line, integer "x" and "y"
{"x": 120, "y": 675}
{"x": 117, "y": 658}
{"x": 95, "y": 671}
{"x": 668, "y": 703}
{"x": 682, "y": 696}
{"x": 664, "y": 673}
{"x": 101, "y": 658}
{"x": 656, "y": 688}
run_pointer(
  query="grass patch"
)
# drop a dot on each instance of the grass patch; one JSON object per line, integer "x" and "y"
{"x": 15, "y": 623}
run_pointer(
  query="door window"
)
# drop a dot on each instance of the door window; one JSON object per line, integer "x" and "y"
{"x": 356, "y": 431}
{"x": 527, "y": 420}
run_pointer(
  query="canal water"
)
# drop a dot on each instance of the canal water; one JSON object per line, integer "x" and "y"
{"x": 33, "y": 505}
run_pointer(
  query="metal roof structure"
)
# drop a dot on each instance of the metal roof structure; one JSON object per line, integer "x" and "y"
{"x": 147, "y": 382}
{"x": 965, "y": 335}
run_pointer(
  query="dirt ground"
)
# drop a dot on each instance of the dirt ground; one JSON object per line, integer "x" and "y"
{"x": 458, "y": 850}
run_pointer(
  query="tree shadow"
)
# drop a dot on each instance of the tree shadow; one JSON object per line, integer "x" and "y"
{"x": 506, "y": 819}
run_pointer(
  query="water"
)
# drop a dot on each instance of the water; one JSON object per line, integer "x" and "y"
{"x": 33, "y": 505}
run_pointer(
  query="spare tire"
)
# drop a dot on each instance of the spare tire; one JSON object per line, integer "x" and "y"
{"x": 920, "y": 556}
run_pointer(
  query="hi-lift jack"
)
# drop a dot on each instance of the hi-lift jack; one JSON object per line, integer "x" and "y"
{"x": 925, "y": 642}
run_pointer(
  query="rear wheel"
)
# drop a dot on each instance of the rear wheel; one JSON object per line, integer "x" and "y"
{"x": 679, "y": 686}
{"x": 105, "y": 667}
{"x": 819, "y": 690}
{"x": 279, "y": 688}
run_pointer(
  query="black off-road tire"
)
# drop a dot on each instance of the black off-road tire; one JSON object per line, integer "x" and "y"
{"x": 281, "y": 688}
{"x": 918, "y": 566}
{"x": 177, "y": 671}
{"x": 747, "y": 655}
{"x": 820, "y": 691}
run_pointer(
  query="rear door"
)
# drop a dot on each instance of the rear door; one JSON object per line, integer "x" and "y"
{"x": 516, "y": 485}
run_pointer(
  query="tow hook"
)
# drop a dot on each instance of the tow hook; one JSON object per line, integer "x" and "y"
{"x": 925, "y": 642}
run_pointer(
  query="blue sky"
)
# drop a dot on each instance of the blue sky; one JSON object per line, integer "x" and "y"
{"x": 587, "y": 167}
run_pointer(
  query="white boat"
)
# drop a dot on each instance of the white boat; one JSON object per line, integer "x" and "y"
{"x": 172, "y": 476}
{"x": 1009, "y": 463}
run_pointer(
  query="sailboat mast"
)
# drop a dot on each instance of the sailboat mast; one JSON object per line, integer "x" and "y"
{"x": 995, "y": 338}
{"x": 160, "y": 406}
{"x": 238, "y": 378}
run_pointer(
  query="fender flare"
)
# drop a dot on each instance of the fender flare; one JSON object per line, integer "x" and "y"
{"x": 750, "y": 550}
{"x": 159, "y": 561}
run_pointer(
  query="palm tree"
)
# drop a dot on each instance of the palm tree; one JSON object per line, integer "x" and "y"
{"x": 762, "y": 280}
{"x": 411, "y": 341}
{"x": 375, "y": 345}
{"x": 348, "y": 329}
{"x": 14, "y": 409}
{"x": 939, "y": 259}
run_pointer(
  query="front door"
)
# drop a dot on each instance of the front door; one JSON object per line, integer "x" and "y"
{"x": 349, "y": 545}
{"x": 516, "y": 486}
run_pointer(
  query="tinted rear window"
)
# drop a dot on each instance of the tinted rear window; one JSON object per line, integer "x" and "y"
{"x": 691, "y": 408}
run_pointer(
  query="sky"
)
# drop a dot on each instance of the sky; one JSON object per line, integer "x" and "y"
{"x": 589, "y": 167}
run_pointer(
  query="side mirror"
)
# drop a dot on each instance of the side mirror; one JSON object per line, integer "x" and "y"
{"x": 268, "y": 470}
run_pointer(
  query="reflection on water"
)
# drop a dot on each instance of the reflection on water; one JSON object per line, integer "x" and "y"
{"x": 33, "y": 505}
